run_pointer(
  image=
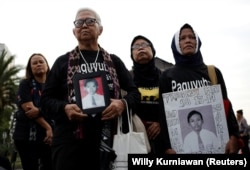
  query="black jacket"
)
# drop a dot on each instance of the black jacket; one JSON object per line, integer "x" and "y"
{"x": 180, "y": 75}
{"x": 191, "y": 72}
{"x": 55, "y": 95}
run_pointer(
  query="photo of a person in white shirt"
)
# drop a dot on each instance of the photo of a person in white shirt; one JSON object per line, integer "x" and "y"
{"x": 199, "y": 140}
{"x": 92, "y": 99}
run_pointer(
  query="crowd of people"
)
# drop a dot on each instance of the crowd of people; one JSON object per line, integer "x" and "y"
{"x": 53, "y": 132}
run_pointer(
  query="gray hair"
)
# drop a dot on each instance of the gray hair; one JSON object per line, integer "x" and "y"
{"x": 97, "y": 16}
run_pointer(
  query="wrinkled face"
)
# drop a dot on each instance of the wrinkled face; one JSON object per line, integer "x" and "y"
{"x": 141, "y": 51}
{"x": 195, "y": 122}
{"x": 187, "y": 42}
{"x": 38, "y": 65}
{"x": 86, "y": 29}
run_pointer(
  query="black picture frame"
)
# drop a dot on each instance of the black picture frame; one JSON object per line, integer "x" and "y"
{"x": 83, "y": 100}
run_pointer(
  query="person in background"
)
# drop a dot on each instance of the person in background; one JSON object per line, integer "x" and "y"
{"x": 244, "y": 131}
{"x": 146, "y": 77}
{"x": 199, "y": 140}
{"x": 81, "y": 141}
{"x": 92, "y": 99}
{"x": 190, "y": 72}
{"x": 33, "y": 129}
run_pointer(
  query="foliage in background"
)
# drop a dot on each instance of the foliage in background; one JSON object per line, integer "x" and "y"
{"x": 9, "y": 81}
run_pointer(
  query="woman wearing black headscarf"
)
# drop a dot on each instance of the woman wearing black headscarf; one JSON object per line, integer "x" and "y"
{"x": 146, "y": 77}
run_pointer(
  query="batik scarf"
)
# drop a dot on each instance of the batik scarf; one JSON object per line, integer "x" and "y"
{"x": 74, "y": 67}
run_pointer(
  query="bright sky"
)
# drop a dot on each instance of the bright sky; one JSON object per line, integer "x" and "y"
{"x": 45, "y": 26}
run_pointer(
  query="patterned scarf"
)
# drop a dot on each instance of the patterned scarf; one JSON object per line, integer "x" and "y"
{"x": 73, "y": 68}
{"x": 36, "y": 94}
{"x": 74, "y": 65}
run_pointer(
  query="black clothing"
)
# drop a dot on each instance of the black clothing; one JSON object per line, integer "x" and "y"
{"x": 5, "y": 163}
{"x": 148, "y": 109}
{"x": 34, "y": 154}
{"x": 23, "y": 124}
{"x": 55, "y": 94}
{"x": 28, "y": 135}
{"x": 55, "y": 97}
{"x": 190, "y": 72}
{"x": 146, "y": 77}
{"x": 146, "y": 74}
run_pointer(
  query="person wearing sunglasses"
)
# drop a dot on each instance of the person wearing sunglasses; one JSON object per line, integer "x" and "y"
{"x": 82, "y": 141}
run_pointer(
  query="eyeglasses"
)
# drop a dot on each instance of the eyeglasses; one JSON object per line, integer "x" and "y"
{"x": 88, "y": 21}
{"x": 142, "y": 45}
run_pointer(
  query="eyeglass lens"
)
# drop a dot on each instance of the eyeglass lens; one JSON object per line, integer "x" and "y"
{"x": 88, "y": 21}
{"x": 142, "y": 45}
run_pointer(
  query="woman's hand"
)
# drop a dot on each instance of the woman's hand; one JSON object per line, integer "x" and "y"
{"x": 114, "y": 110}
{"x": 232, "y": 145}
{"x": 170, "y": 151}
{"x": 153, "y": 129}
{"x": 74, "y": 113}
{"x": 49, "y": 136}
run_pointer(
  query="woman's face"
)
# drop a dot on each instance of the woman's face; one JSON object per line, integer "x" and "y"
{"x": 187, "y": 42}
{"x": 142, "y": 52}
{"x": 87, "y": 33}
{"x": 38, "y": 65}
{"x": 196, "y": 122}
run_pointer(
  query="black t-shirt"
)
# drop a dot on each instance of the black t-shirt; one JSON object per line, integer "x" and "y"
{"x": 23, "y": 124}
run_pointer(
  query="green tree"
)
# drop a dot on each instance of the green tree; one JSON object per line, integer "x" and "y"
{"x": 8, "y": 85}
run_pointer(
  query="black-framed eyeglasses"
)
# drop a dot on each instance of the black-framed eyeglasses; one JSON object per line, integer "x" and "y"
{"x": 88, "y": 21}
{"x": 142, "y": 45}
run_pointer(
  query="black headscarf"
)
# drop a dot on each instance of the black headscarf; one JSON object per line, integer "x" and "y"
{"x": 145, "y": 74}
{"x": 192, "y": 60}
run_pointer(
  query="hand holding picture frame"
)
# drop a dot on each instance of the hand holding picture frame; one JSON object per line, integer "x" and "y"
{"x": 91, "y": 91}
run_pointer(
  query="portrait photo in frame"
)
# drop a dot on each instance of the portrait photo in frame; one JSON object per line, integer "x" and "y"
{"x": 196, "y": 120}
{"x": 91, "y": 91}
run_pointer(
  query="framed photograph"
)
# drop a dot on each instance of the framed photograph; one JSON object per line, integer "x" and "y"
{"x": 91, "y": 91}
{"x": 196, "y": 120}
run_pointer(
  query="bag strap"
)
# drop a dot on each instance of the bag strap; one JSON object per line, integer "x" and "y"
{"x": 212, "y": 74}
{"x": 119, "y": 122}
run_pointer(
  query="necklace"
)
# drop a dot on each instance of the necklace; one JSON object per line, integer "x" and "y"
{"x": 95, "y": 57}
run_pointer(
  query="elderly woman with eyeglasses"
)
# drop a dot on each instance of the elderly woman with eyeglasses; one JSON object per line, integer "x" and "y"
{"x": 146, "y": 77}
{"x": 83, "y": 140}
